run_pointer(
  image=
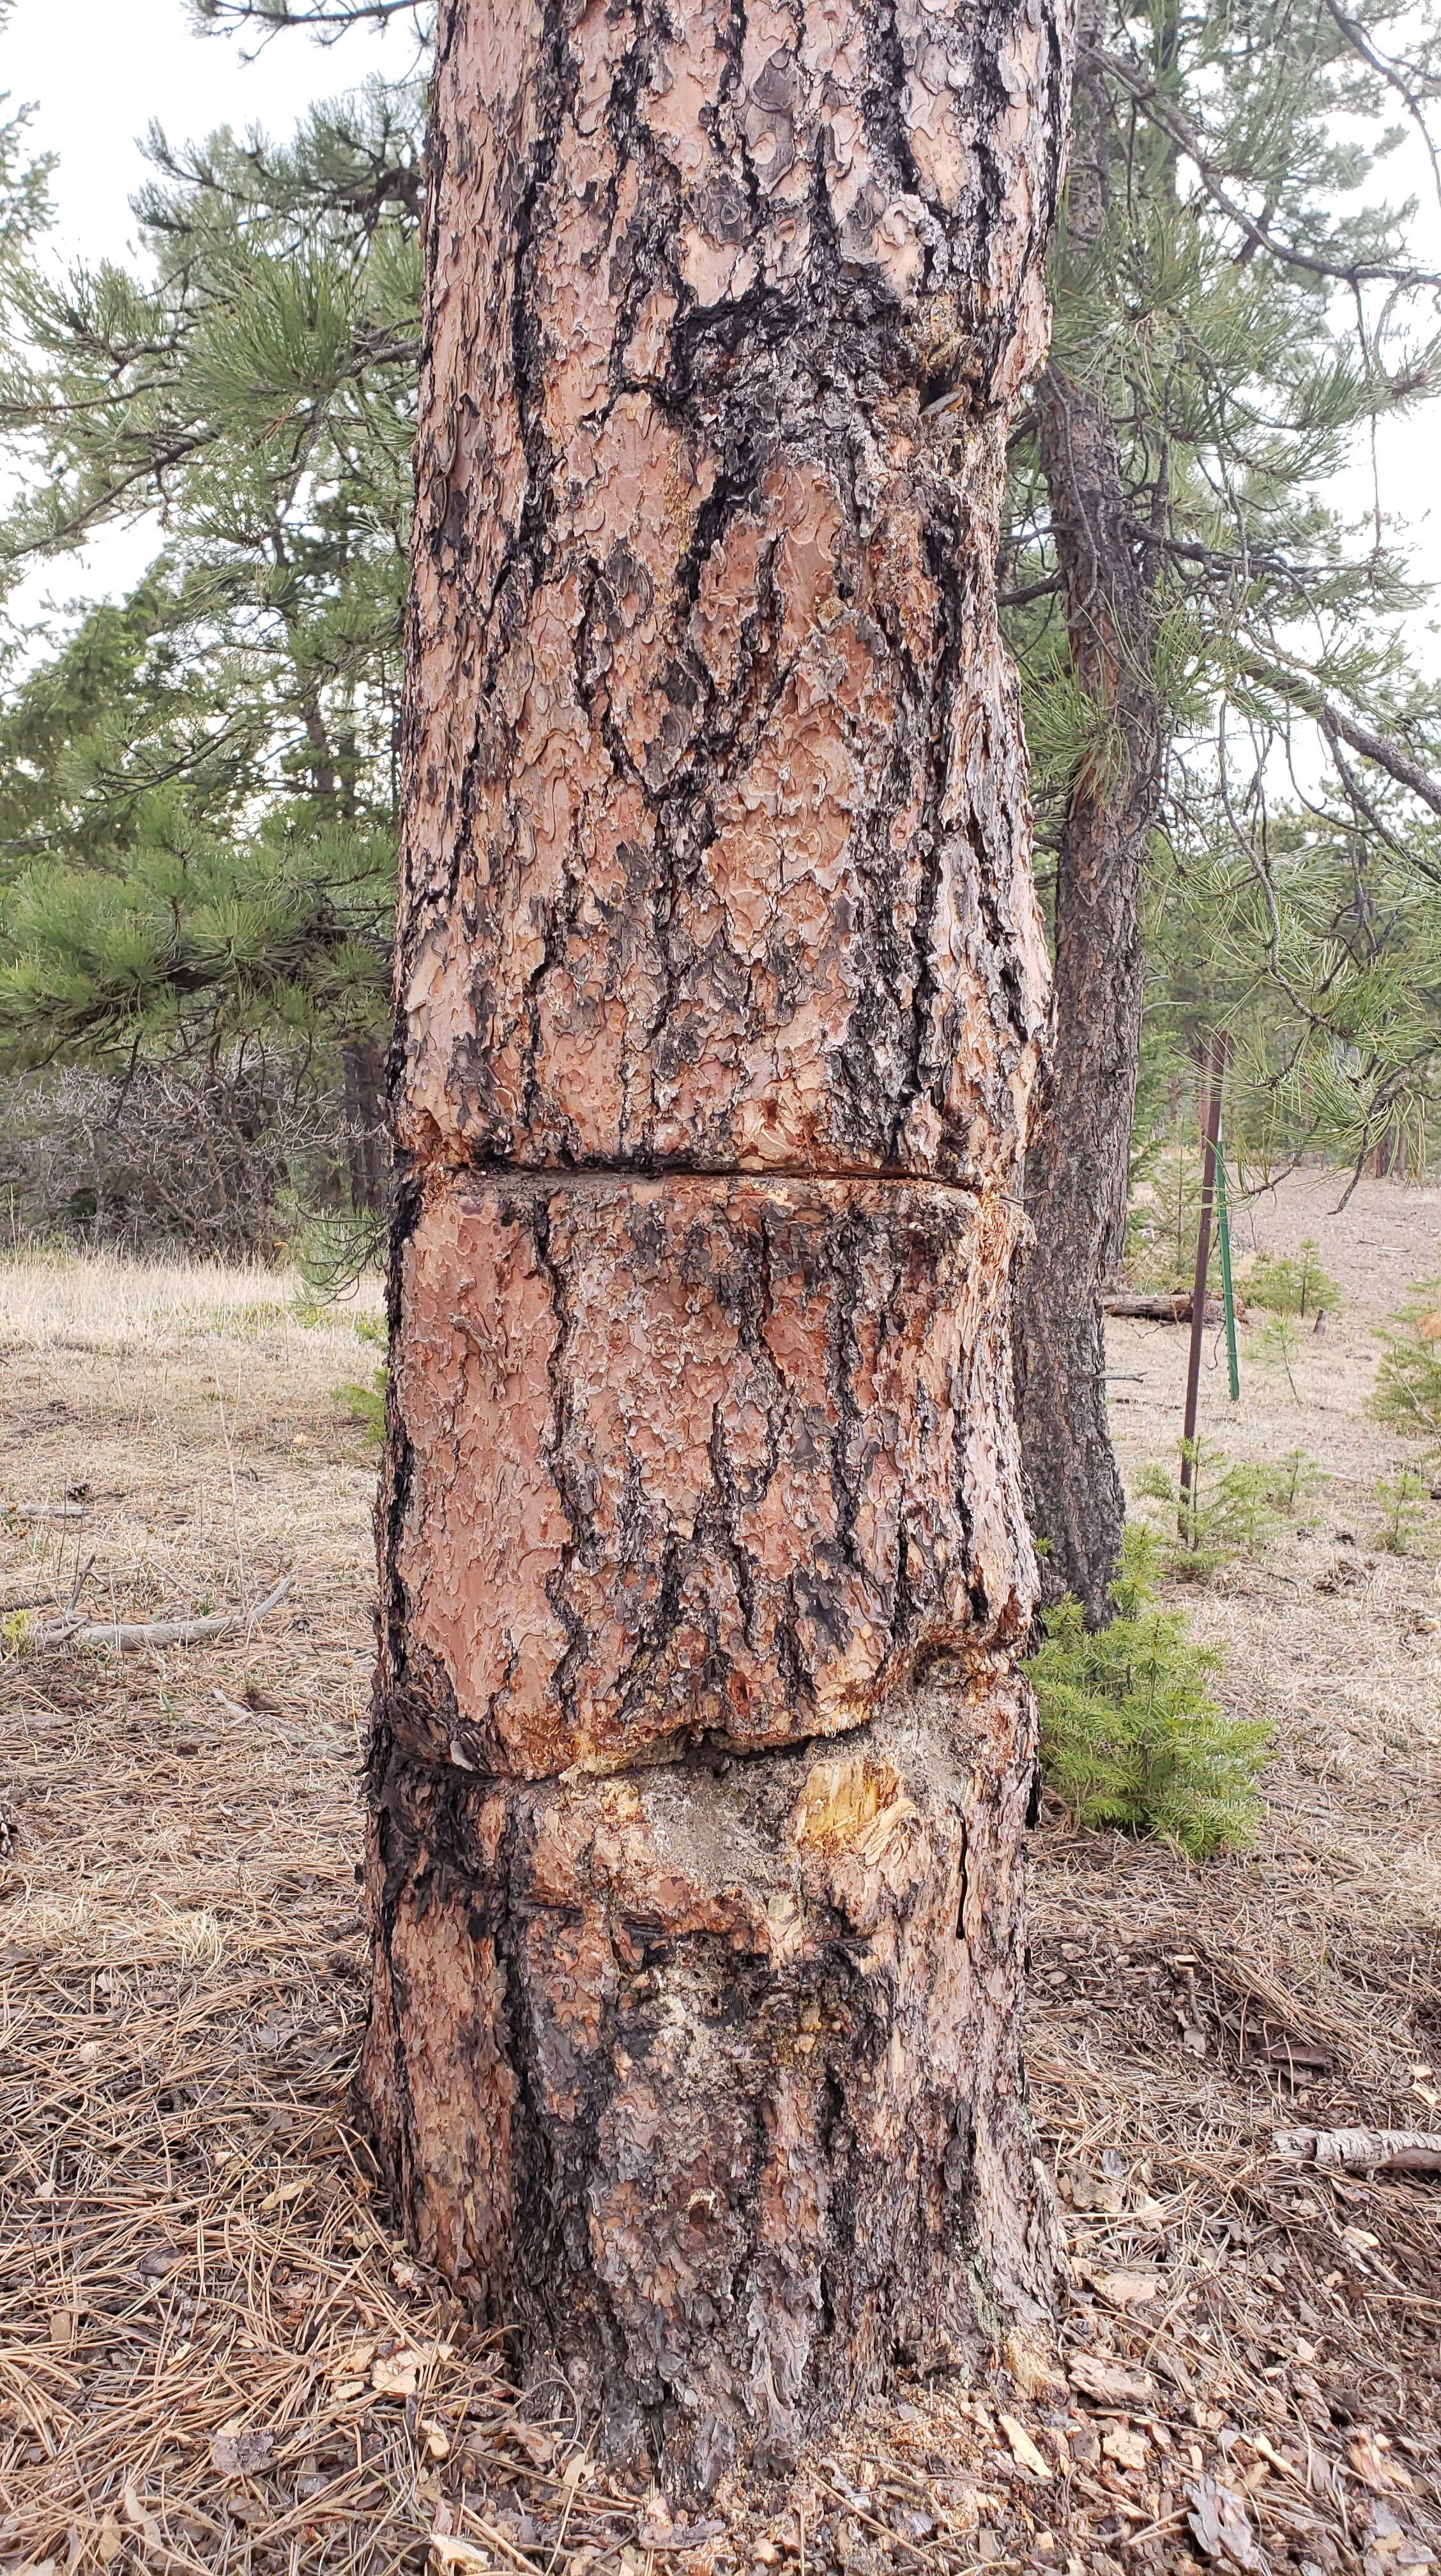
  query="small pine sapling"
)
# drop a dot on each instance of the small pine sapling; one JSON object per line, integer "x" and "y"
{"x": 1293, "y": 1480}
{"x": 1220, "y": 1512}
{"x": 1401, "y": 1497}
{"x": 1407, "y": 1392}
{"x": 1131, "y": 1733}
{"x": 1285, "y": 1287}
{"x": 1280, "y": 1342}
{"x": 1162, "y": 1223}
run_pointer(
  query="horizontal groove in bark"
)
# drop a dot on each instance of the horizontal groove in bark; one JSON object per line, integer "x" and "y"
{"x": 693, "y": 1458}
{"x": 711, "y": 2082}
{"x": 585, "y": 1175}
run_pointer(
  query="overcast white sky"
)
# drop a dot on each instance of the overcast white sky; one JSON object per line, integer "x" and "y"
{"x": 99, "y": 70}
{"x": 96, "y": 72}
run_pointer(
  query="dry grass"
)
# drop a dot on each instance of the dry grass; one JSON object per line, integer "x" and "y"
{"x": 214, "y": 2354}
{"x": 101, "y": 1303}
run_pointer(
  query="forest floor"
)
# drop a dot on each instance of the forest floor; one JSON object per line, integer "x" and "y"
{"x": 213, "y": 2353}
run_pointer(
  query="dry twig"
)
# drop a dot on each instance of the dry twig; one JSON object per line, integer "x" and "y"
{"x": 129, "y": 1636}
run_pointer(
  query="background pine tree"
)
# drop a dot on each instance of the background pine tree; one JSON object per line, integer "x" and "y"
{"x": 197, "y": 814}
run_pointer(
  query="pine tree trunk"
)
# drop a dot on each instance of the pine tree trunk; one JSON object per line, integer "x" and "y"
{"x": 363, "y": 1098}
{"x": 700, "y": 1767}
{"x": 1078, "y": 1159}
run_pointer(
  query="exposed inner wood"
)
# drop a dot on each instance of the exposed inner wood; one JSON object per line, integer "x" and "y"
{"x": 728, "y": 2050}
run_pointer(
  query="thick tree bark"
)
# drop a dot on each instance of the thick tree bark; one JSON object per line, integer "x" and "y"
{"x": 700, "y": 1765}
{"x": 1078, "y": 1158}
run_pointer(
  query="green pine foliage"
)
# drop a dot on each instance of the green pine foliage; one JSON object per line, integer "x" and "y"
{"x": 1407, "y": 1392}
{"x": 197, "y": 785}
{"x": 1132, "y": 1734}
{"x": 1238, "y": 357}
{"x": 1293, "y": 1480}
{"x": 1318, "y": 949}
{"x": 1403, "y": 1498}
{"x": 1236, "y": 384}
{"x": 1164, "y": 1212}
{"x": 1283, "y": 1286}
{"x": 365, "y": 1406}
{"x": 200, "y": 938}
{"x": 1217, "y": 1514}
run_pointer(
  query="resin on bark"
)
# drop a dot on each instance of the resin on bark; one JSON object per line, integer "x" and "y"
{"x": 717, "y": 2091}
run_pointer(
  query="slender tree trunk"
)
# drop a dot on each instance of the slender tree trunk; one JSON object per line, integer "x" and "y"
{"x": 363, "y": 1100}
{"x": 1078, "y": 1159}
{"x": 700, "y": 1764}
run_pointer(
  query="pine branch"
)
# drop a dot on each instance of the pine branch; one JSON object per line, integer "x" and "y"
{"x": 1395, "y": 79}
{"x": 1304, "y": 691}
{"x": 1336, "y": 724}
{"x": 1166, "y": 117}
{"x": 327, "y": 19}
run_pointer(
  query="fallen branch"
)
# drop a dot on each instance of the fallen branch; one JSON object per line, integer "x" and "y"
{"x": 131, "y": 1636}
{"x": 50, "y": 1511}
{"x": 1385, "y": 2150}
{"x": 1160, "y": 1307}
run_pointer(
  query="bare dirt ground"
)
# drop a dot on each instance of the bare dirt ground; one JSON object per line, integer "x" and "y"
{"x": 213, "y": 2353}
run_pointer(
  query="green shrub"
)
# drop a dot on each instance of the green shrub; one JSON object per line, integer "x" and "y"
{"x": 1407, "y": 1393}
{"x": 1131, "y": 1734}
{"x": 1224, "y": 1512}
{"x": 1286, "y": 1287}
{"x": 366, "y": 1406}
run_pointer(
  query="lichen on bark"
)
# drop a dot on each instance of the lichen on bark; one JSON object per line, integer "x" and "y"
{"x": 700, "y": 1765}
